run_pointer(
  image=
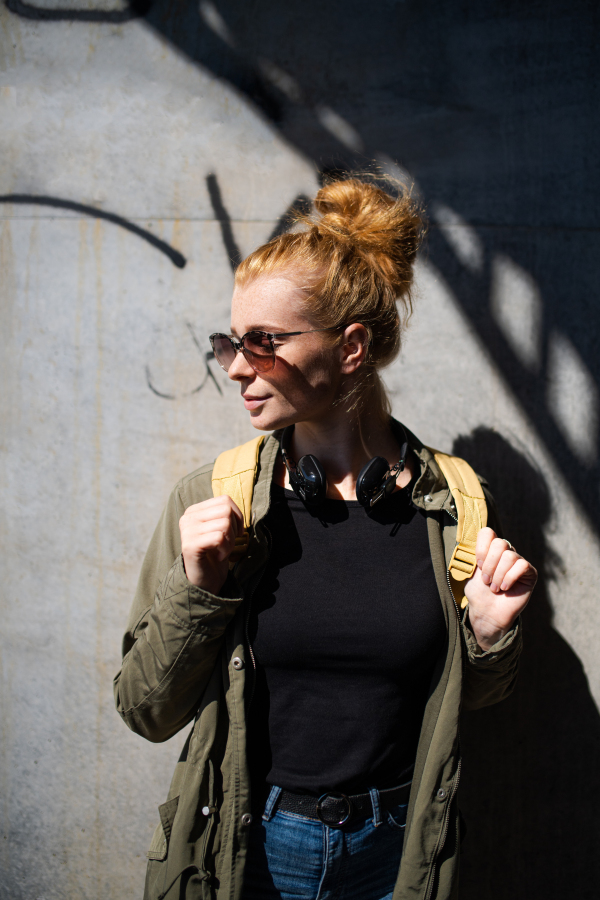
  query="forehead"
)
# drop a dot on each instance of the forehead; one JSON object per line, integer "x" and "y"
{"x": 270, "y": 303}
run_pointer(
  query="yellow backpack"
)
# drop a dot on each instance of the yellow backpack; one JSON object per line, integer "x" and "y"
{"x": 234, "y": 474}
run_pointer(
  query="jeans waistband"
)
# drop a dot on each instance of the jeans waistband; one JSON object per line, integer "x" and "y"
{"x": 335, "y": 808}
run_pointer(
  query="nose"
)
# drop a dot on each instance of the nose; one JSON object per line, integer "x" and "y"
{"x": 240, "y": 369}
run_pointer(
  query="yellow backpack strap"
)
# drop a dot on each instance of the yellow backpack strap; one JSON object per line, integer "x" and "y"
{"x": 234, "y": 474}
{"x": 471, "y": 510}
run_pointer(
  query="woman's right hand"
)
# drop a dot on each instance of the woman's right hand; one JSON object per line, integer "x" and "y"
{"x": 208, "y": 533}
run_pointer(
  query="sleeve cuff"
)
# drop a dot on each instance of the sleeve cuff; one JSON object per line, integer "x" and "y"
{"x": 480, "y": 657}
{"x": 191, "y": 605}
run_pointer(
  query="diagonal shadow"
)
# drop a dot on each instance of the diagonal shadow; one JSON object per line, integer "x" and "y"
{"x": 468, "y": 101}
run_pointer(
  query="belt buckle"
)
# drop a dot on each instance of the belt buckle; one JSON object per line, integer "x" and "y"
{"x": 339, "y": 821}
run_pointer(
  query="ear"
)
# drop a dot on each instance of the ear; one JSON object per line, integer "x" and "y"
{"x": 353, "y": 348}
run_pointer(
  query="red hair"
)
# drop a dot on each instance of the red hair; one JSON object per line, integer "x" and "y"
{"x": 357, "y": 251}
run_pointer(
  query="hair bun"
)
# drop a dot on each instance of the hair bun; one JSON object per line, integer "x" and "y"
{"x": 388, "y": 229}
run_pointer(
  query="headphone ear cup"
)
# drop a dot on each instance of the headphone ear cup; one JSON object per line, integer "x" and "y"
{"x": 312, "y": 480}
{"x": 371, "y": 480}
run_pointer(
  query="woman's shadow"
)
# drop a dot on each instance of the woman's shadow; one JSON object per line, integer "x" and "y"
{"x": 531, "y": 789}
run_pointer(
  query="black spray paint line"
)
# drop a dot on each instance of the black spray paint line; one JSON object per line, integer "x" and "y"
{"x": 301, "y": 206}
{"x": 177, "y": 258}
{"x": 224, "y": 220}
{"x": 133, "y": 10}
{"x": 208, "y": 356}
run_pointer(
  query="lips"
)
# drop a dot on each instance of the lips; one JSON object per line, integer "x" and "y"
{"x": 253, "y": 402}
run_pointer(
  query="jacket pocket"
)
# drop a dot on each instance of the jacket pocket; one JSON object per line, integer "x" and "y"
{"x": 159, "y": 846}
{"x": 210, "y": 826}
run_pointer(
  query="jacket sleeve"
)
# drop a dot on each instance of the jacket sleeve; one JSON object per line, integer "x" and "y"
{"x": 490, "y": 675}
{"x": 173, "y": 636}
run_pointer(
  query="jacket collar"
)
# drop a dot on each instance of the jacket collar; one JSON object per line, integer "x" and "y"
{"x": 430, "y": 492}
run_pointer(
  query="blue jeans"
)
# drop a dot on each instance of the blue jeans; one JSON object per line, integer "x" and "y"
{"x": 291, "y": 857}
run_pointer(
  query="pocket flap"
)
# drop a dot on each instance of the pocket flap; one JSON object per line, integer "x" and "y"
{"x": 167, "y": 812}
{"x": 162, "y": 833}
{"x": 158, "y": 845}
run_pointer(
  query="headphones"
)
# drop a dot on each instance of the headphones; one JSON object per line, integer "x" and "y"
{"x": 309, "y": 481}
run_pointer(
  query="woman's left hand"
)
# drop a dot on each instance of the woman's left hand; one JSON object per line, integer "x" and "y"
{"x": 498, "y": 590}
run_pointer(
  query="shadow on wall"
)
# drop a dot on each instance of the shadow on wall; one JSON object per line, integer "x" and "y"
{"x": 531, "y": 788}
{"x": 492, "y": 108}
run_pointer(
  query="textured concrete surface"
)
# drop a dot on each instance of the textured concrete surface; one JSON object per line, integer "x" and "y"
{"x": 139, "y": 156}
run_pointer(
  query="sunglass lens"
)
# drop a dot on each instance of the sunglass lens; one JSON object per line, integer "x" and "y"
{"x": 259, "y": 352}
{"x": 223, "y": 349}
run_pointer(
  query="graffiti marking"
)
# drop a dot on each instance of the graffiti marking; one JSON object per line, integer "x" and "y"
{"x": 300, "y": 206}
{"x": 177, "y": 258}
{"x": 224, "y": 220}
{"x": 134, "y": 10}
{"x": 208, "y": 356}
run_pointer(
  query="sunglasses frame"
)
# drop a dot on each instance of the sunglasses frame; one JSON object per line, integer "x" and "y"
{"x": 238, "y": 345}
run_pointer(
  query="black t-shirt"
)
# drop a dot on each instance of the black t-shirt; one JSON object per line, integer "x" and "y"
{"x": 346, "y": 626}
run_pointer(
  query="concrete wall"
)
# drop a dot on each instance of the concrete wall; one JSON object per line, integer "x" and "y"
{"x": 144, "y": 147}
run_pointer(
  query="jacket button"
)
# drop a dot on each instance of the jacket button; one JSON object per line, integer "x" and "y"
{"x": 238, "y": 663}
{"x": 441, "y": 794}
{"x": 428, "y": 498}
{"x": 246, "y": 819}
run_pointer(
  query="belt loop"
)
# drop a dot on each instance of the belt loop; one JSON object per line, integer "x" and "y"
{"x": 271, "y": 803}
{"x": 377, "y": 820}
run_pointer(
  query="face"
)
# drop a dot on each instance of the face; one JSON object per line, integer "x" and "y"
{"x": 308, "y": 371}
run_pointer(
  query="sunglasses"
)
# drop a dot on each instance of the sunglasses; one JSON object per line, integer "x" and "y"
{"x": 257, "y": 346}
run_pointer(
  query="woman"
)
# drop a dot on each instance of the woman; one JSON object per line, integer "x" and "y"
{"x": 326, "y": 668}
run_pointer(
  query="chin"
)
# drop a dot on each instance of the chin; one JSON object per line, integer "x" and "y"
{"x": 264, "y": 421}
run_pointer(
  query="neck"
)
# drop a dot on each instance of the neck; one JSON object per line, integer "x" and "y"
{"x": 343, "y": 442}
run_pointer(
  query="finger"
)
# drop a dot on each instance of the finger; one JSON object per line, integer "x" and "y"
{"x": 215, "y": 508}
{"x": 212, "y": 502}
{"x": 234, "y": 510}
{"x": 520, "y": 571}
{"x": 203, "y": 520}
{"x": 505, "y": 563}
{"x": 193, "y": 528}
{"x": 211, "y": 542}
{"x": 484, "y": 540}
{"x": 496, "y": 549}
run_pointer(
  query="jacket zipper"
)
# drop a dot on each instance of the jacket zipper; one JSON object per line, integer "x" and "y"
{"x": 444, "y": 833}
{"x": 247, "y": 635}
{"x": 452, "y": 516}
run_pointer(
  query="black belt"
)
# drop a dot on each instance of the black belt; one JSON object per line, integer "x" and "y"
{"x": 335, "y": 809}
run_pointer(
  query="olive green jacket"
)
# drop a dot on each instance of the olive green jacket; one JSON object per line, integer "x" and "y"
{"x": 186, "y": 657}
